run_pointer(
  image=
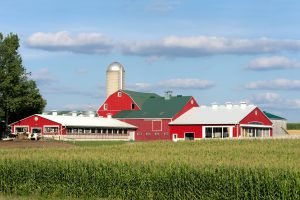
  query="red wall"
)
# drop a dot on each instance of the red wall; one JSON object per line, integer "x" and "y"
{"x": 150, "y": 126}
{"x": 116, "y": 104}
{"x": 192, "y": 103}
{"x": 39, "y": 123}
{"x": 256, "y": 116}
{"x": 182, "y": 129}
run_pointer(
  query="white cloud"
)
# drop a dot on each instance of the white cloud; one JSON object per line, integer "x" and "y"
{"x": 278, "y": 84}
{"x": 271, "y": 63}
{"x": 64, "y": 41}
{"x": 167, "y": 47}
{"x": 42, "y": 77}
{"x": 81, "y": 107}
{"x": 266, "y": 98}
{"x": 270, "y": 100}
{"x": 174, "y": 46}
{"x": 174, "y": 84}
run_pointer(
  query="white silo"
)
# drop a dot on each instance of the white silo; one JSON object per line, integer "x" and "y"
{"x": 115, "y": 78}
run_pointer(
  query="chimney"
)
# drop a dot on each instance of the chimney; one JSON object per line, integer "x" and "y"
{"x": 54, "y": 113}
{"x": 74, "y": 114}
{"x": 168, "y": 95}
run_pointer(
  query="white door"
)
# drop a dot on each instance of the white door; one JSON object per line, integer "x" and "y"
{"x": 132, "y": 135}
{"x": 174, "y": 137}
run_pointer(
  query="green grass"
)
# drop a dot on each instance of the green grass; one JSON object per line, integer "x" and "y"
{"x": 209, "y": 169}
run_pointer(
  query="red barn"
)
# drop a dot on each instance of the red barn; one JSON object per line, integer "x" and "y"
{"x": 149, "y": 112}
{"x": 77, "y": 127}
{"x": 226, "y": 121}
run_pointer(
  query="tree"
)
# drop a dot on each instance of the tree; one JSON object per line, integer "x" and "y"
{"x": 19, "y": 96}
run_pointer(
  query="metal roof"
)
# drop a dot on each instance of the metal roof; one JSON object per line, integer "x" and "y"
{"x": 153, "y": 106}
{"x": 87, "y": 121}
{"x": 273, "y": 117}
{"x": 214, "y": 115}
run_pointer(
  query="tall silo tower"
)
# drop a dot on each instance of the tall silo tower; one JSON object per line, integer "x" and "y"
{"x": 115, "y": 78}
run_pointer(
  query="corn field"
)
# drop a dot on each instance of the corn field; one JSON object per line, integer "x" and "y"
{"x": 211, "y": 169}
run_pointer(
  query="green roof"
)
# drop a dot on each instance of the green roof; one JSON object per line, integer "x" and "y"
{"x": 154, "y": 106}
{"x": 272, "y": 116}
{"x": 140, "y": 97}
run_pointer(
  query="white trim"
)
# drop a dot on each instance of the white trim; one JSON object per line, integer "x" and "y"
{"x": 36, "y": 127}
{"x": 255, "y": 125}
{"x": 230, "y": 129}
{"x": 189, "y": 132}
{"x": 19, "y": 126}
{"x": 46, "y": 126}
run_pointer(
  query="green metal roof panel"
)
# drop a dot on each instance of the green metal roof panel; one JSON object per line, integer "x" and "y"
{"x": 272, "y": 116}
{"x": 157, "y": 107}
{"x": 140, "y": 97}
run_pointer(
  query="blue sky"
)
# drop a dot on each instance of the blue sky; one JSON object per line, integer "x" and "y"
{"x": 216, "y": 51}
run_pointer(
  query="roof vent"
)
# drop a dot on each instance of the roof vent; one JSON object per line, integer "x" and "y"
{"x": 74, "y": 114}
{"x": 168, "y": 95}
{"x": 214, "y": 106}
{"x": 228, "y": 105}
{"x": 243, "y": 104}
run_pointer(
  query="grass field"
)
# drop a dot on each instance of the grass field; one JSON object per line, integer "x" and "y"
{"x": 209, "y": 169}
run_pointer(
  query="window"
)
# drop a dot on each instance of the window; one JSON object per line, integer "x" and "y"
{"x": 80, "y": 130}
{"x": 156, "y": 133}
{"x": 105, "y": 106}
{"x": 87, "y": 130}
{"x": 148, "y": 134}
{"x": 192, "y": 101}
{"x": 51, "y": 129}
{"x": 166, "y": 134}
{"x": 217, "y": 132}
{"x": 119, "y": 94}
{"x": 115, "y": 131}
{"x": 22, "y": 129}
{"x": 74, "y": 130}
{"x": 132, "y": 106}
{"x": 140, "y": 133}
{"x": 208, "y": 132}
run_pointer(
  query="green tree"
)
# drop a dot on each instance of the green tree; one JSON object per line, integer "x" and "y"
{"x": 19, "y": 96}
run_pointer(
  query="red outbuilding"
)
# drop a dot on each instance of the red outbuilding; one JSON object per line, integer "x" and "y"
{"x": 149, "y": 112}
{"x": 75, "y": 127}
{"x": 225, "y": 121}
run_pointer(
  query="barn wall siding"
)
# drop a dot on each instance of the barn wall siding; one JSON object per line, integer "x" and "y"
{"x": 116, "y": 104}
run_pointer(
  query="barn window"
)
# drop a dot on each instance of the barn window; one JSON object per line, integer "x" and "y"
{"x": 105, "y": 106}
{"x": 156, "y": 133}
{"x": 132, "y": 106}
{"x": 192, "y": 101}
{"x": 148, "y": 134}
{"x": 217, "y": 132}
{"x": 119, "y": 94}
{"x": 21, "y": 129}
{"x": 51, "y": 129}
{"x": 140, "y": 133}
{"x": 166, "y": 134}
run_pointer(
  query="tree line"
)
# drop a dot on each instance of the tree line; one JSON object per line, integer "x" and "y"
{"x": 19, "y": 95}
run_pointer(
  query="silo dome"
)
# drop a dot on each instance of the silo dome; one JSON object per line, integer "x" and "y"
{"x": 115, "y": 78}
{"x": 115, "y": 66}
